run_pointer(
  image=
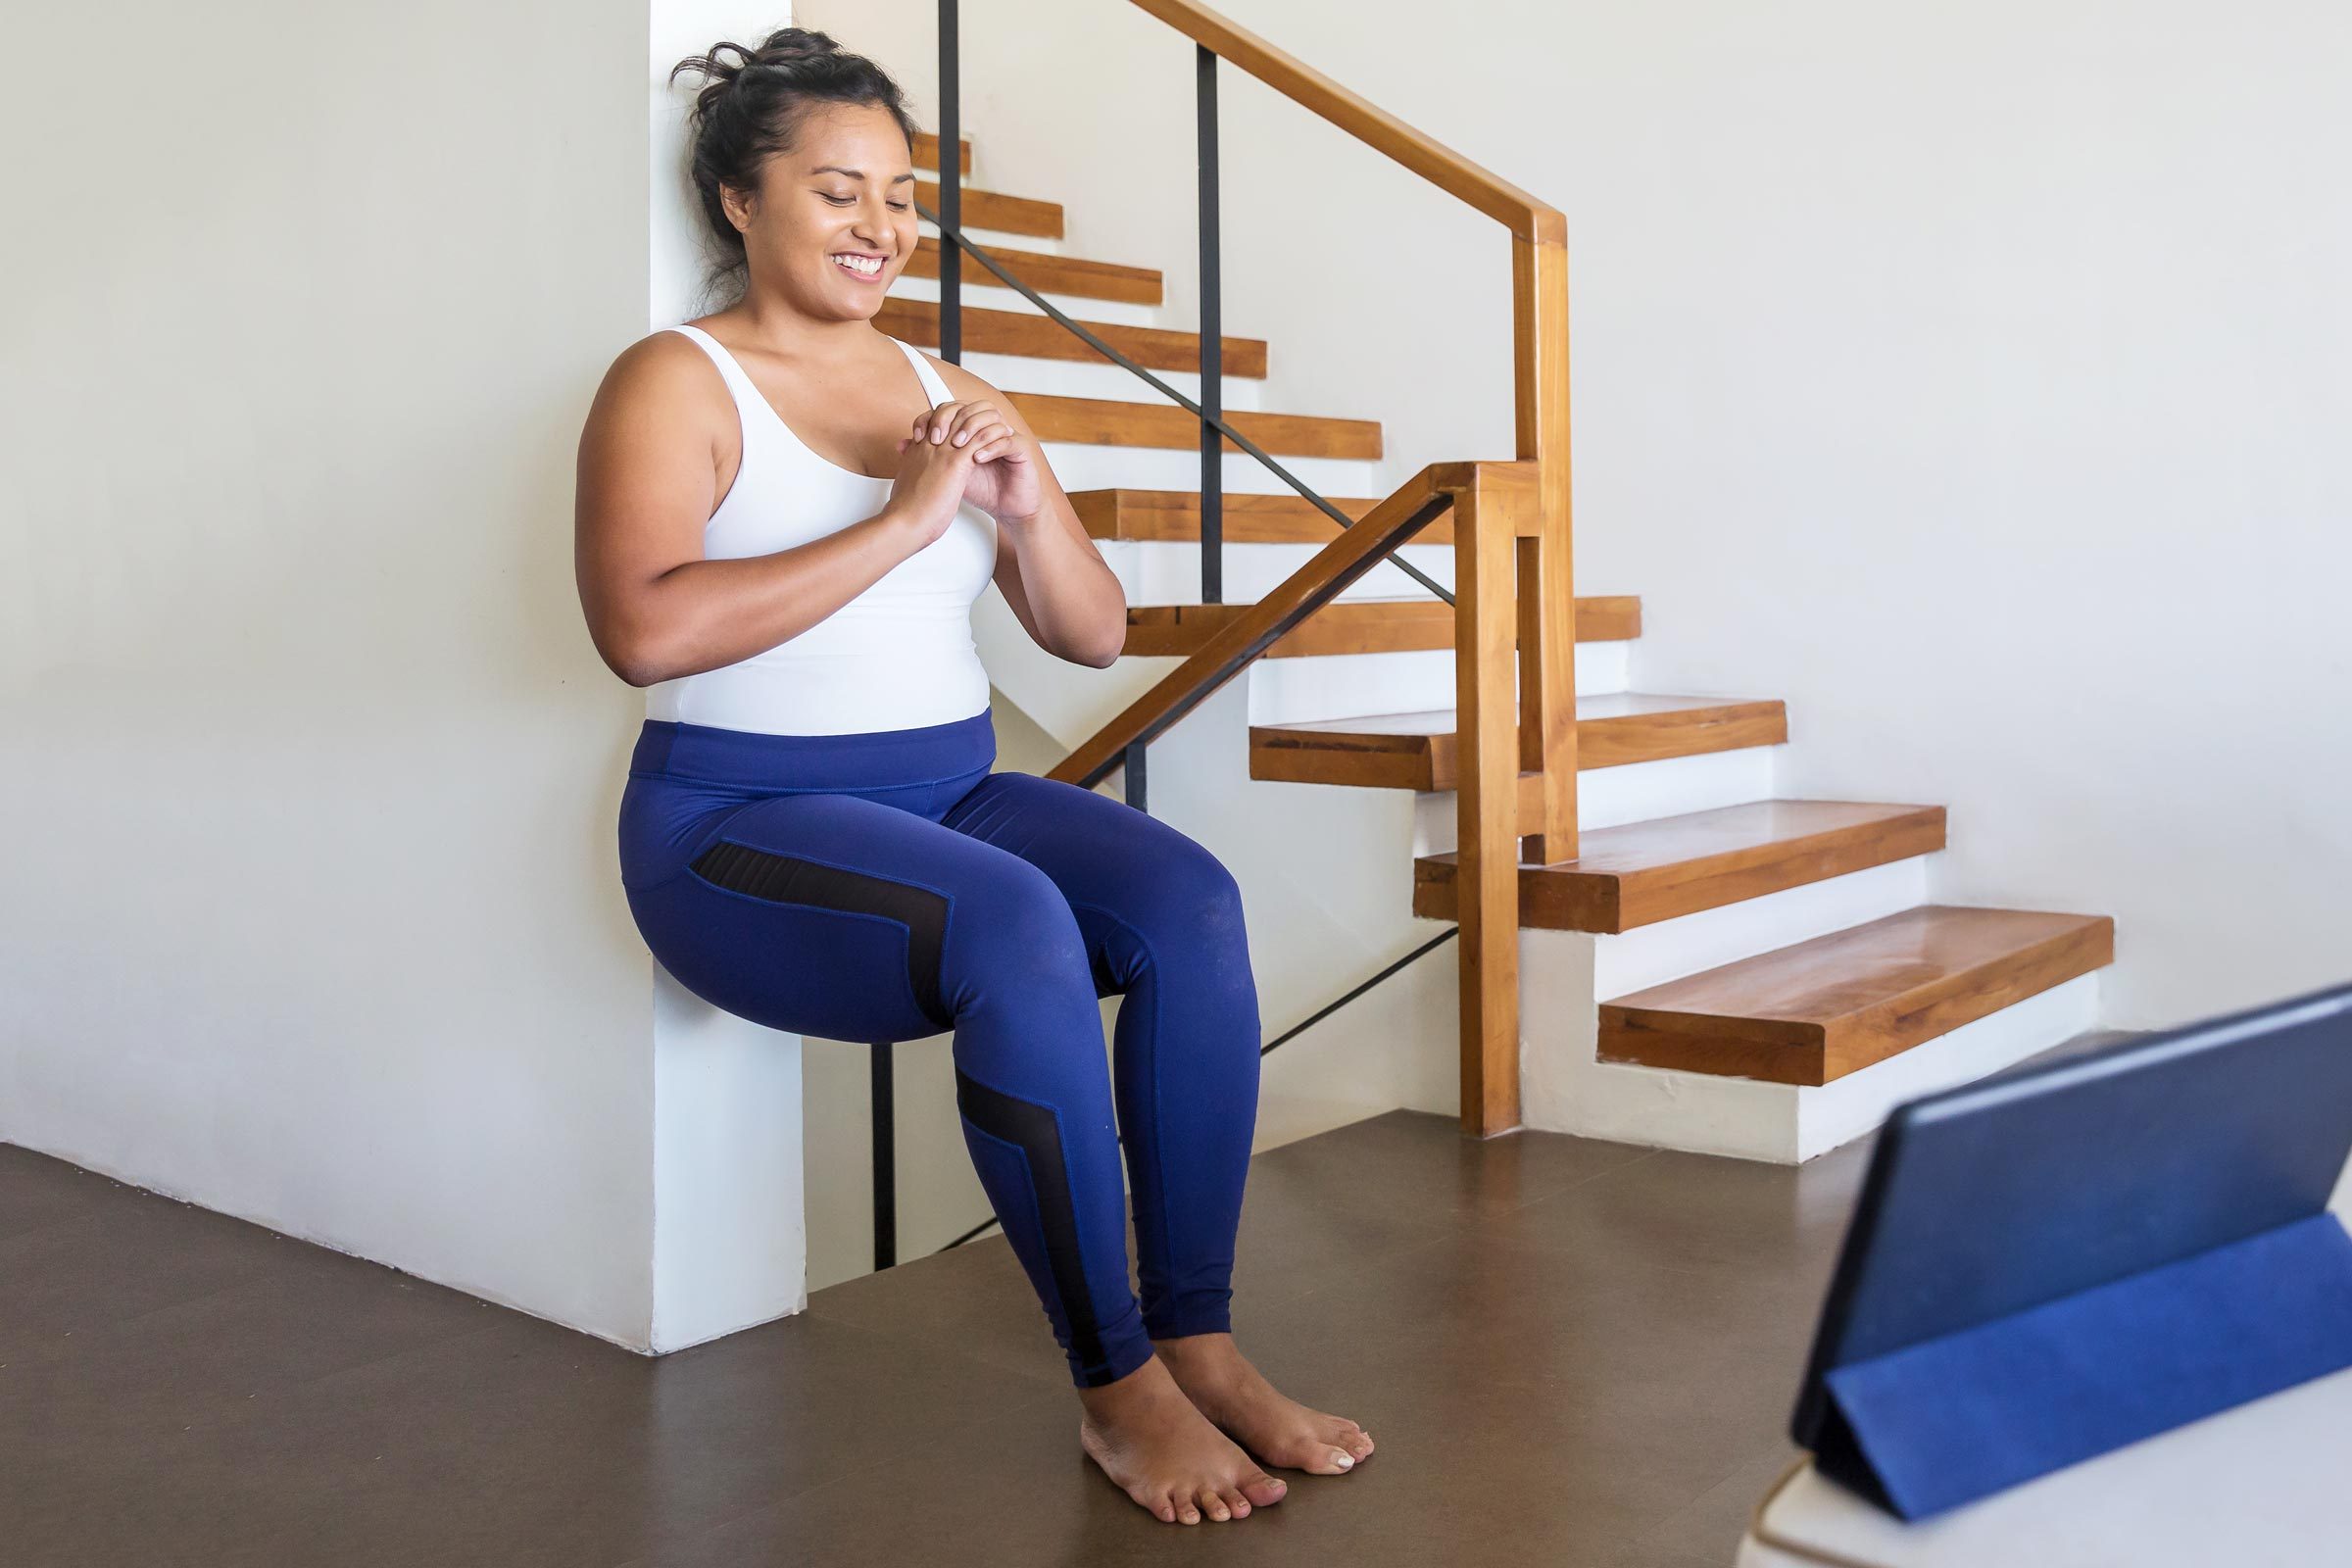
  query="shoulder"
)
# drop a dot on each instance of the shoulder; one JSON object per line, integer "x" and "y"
{"x": 663, "y": 377}
{"x": 663, "y": 362}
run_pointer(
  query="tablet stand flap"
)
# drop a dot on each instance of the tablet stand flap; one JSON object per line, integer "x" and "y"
{"x": 1965, "y": 1415}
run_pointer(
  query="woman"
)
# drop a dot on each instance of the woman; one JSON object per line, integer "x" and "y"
{"x": 784, "y": 519}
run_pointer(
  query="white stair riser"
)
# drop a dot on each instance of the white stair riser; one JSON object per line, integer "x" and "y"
{"x": 1167, "y": 572}
{"x": 982, "y": 291}
{"x": 1078, "y": 307}
{"x": 1668, "y": 950}
{"x": 1324, "y": 686}
{"x": 1112, "y": 468}
{"x": 996, "y": 239}
{"x": 1635, "y": 792}
{"x": 1098, "y": 378}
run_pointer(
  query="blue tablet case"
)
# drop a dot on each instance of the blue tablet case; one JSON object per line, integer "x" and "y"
{"x": 2051, "y": 1264}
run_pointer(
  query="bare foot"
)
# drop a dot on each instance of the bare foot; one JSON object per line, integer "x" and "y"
{"x": 1162, "y": 1450}
{"x": 1235, "y": 1395}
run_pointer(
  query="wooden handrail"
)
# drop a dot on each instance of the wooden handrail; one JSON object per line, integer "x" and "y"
{"x": 1257, "y": 626}
{"x": 1376, "y": 127}
{"x": 1512, "y": 584}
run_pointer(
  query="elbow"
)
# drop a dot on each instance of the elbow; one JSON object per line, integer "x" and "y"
{"x": 632, "y": 658}
{"x": 1117, "y": 642}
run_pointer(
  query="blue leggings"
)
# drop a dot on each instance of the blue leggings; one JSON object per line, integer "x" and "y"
{"x": 885, "y": 885}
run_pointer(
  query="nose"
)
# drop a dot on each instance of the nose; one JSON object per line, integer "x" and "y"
{"x": 872, "y": 227}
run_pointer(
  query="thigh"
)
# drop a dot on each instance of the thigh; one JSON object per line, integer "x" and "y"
{"x": 829, "y": 916}
{"x": 1125, "y": 873}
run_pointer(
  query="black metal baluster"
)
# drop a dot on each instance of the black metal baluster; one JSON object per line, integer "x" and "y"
{"x": 886, "y": 1161}
{"x": 950, "y": 192}
{"x": 1212, "y": 344}
{"x": 1135, "y": 775}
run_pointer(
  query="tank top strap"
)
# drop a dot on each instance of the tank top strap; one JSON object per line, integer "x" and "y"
{"x": 747, "y": 398}
{"x": 934, "y": 385}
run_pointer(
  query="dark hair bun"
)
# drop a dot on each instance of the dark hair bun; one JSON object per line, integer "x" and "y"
{"x": 750, "y": 106}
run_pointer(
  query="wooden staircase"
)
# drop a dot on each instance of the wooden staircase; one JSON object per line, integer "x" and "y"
{"x": 1721, "y": 903}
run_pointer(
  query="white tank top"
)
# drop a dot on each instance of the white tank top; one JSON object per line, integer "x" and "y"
{"x": 897, "y": 656}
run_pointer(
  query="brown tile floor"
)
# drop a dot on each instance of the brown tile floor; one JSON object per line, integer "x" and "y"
{"x": 1571, "y": 1352}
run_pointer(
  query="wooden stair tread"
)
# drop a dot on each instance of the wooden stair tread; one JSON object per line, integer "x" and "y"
{"x": 926, "y": 152}
{"x": 1047, "y": 274}
{"x": 1354, "y": 626}
{"x": 1109, "y": 422}
{"x": 990, "y": 209}
{"x": 1820, "y": 1009}
{"x": 1642, "y": 872}
{"x": 1417, "y": 751}
{"x": 1021, "y": 333}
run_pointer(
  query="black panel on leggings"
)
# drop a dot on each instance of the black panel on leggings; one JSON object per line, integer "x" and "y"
{"x": 1031, "y": 1128}
{"x": 788, "y": 879}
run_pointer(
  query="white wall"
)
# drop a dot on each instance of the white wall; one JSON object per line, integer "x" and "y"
{"x": 310, "y": 909}
{"x": 1971, "y": 376}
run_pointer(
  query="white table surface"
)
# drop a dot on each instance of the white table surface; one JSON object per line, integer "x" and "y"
{"x": 2267, "y": 1484}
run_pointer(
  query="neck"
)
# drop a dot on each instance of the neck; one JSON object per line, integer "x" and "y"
{"x": 773, "y": 322}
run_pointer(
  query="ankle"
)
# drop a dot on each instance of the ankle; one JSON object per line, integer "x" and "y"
{"x": 1146, "y": 1384}
{"x": 1197, "y": 1353}
{"x": 1195, "y": 1345}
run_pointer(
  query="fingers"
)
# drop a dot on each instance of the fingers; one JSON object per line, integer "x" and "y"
{"x": 954, "y": 424}
{"x": 993, "y": 440}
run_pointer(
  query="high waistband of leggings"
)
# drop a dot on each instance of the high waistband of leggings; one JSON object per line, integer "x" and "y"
{"x": 927, "y": 754}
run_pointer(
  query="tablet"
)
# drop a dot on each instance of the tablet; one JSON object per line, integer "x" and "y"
{"x": 2048, "y": 1181}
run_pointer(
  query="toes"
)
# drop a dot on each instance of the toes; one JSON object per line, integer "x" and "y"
{"x": 1336, "y": 1462}
{"x": 1345, "y": 1433}
{"x": 1239, "y": 1504}
{"x": 1213, "y": 1505}
{"x": 1186, "y": 1512}
{"x": 1262, "y": 1488}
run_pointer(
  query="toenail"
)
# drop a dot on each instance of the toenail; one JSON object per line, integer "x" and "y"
{"x": 1342, "y": 1458}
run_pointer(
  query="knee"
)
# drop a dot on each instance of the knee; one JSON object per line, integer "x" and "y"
{"x": 1019, "y": 929}
{"x": 1187, "y": 895}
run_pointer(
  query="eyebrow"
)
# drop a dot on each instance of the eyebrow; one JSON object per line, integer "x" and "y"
{"x": 853, "y": 173}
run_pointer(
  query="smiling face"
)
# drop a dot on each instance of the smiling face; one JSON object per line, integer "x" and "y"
{"x": 833, "y": 222}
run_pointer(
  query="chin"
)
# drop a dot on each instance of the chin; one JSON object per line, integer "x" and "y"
{"x": 862, "y": 306}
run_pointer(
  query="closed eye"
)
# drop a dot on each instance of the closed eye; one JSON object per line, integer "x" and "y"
{"x": 845, "y": 201}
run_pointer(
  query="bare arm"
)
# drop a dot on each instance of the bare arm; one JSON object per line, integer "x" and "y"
{"x": 647, "y": 484}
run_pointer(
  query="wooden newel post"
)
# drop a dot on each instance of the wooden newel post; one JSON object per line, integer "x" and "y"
{"x": 1486, "y": 771}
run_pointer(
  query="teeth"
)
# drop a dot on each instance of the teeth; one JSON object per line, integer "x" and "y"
{"x": 868, "y": 265}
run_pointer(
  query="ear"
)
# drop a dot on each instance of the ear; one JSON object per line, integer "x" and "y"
{"x": 739, "y": 205}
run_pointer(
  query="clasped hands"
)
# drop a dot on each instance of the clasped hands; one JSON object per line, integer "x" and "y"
{"x": 1000, "y": 479}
